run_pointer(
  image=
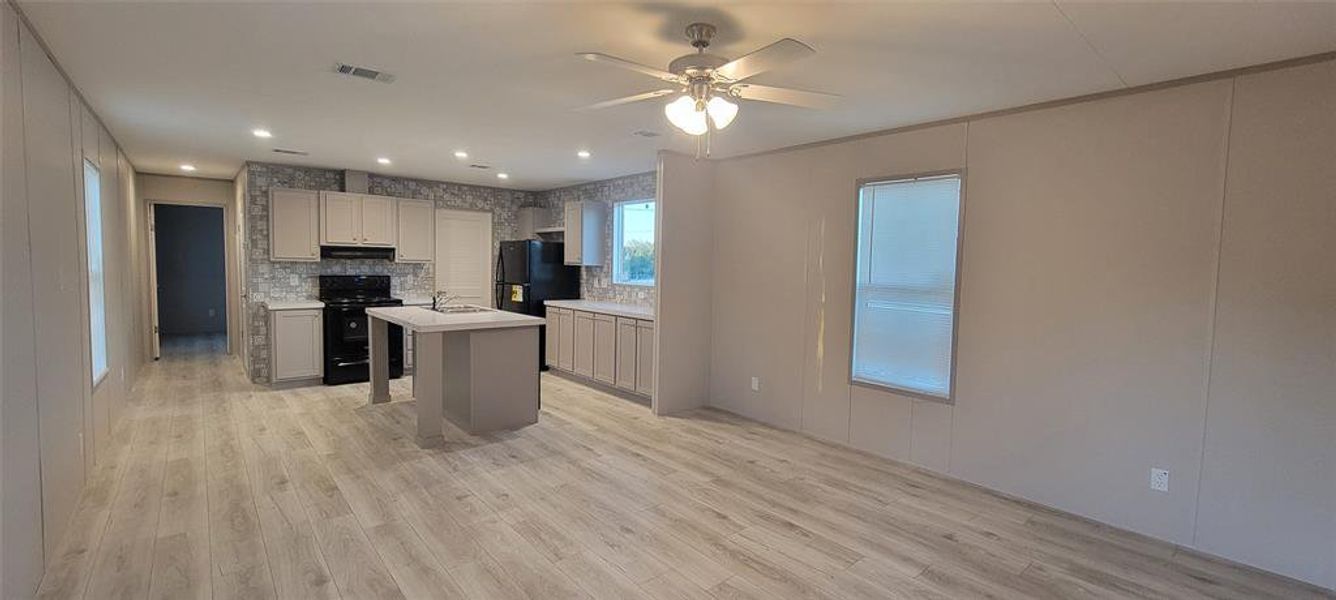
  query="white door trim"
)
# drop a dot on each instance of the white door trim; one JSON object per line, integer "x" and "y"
{"x": 231, "y": 307}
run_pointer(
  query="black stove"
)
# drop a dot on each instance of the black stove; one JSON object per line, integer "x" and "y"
{"x": 346, "y": 298}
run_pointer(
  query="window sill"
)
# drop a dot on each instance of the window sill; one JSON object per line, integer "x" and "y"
{"x": 908, "y": 393}
{"x": 101, "y": 377}
{"x": 643, "y": 284}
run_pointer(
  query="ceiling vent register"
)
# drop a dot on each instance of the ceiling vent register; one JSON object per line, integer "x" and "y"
{"x": 363, "y": 73}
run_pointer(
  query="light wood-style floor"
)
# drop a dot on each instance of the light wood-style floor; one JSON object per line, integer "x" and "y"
{"x": 218, "y": 488}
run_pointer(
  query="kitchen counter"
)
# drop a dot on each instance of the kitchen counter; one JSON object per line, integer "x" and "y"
{"x": 425, "y": 320}
{"x": 293, "y": 304}
{"x": 616, "y": 309}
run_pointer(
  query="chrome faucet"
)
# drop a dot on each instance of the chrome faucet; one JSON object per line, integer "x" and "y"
{"x": 440, "y": 298}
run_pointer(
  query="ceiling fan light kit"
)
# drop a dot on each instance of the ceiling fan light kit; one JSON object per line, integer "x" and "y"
{"x": 707, "y": 86}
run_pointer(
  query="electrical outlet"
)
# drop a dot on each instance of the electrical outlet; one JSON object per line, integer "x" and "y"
{"x": 1159, "y": 480}
{"x": 756, "y": 384}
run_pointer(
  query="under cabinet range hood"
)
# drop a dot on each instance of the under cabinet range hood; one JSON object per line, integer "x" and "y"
{"x": 357, "y": 252}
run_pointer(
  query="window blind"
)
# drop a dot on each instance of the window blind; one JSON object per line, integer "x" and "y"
{"x": 904, "y": 315}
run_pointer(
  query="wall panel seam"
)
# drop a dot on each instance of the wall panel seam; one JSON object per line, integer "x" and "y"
{"x": 1214, "y": 308}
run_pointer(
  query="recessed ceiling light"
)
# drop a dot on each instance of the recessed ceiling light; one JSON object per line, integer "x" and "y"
{"x": 187, "y": 168}
{"x": 262, "y": 133}
{"x": 460, "y": 154}
{"x": 503, "y": 176}
{"x": 382, "y": 160}
{"x": 583, "y": 154}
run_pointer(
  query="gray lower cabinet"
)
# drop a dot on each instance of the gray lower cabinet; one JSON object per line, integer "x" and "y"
{"x": 565, "y": 340}
{"x": 584, "y": 344}
{"x": 611, "y": 350}
{"x": 626, "y": 354}
{"x": 645, "y": 357}
{"x": 552, "y": 340}
{"x": 605, "y": 349}
{"x": 296, "y": 344}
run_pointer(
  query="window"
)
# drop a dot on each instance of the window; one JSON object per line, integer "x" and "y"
{"x": 905, "y": 296}
{"x": 97, "y": 308}
{"x": 633, "y": 242}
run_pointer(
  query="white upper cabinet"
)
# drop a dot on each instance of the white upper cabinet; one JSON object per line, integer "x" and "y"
{"x": 357, "y": 220}
{"x": 417, "y": 232}
{"x": 379, "y": 223}
{"x": 340, "y": 219}
{"x": 585, "y": 223}
{"x": 294, "y": 225}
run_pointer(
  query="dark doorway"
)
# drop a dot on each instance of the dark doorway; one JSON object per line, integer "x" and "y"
{"x": 191, "y": 270}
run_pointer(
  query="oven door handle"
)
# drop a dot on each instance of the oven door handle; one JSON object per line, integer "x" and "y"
{"x": 353, "y": 363}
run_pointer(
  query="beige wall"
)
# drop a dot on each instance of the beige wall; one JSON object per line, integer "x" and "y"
{"x": 209, "y": 192}
{"x": 685, "y": 190}
{"x": 1137, "y": 292}
{"x": 55, "y": 421}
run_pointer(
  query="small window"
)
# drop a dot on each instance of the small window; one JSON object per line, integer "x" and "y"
{"x": 97, "y": 308}
{"x": 633, "y": 242}
{"x": 905, "y": 296}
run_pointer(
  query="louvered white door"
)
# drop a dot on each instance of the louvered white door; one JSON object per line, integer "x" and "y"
{"x": 463, "y": 255}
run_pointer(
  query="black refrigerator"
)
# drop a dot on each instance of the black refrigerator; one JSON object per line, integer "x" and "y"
{"x": 528, "y": 272}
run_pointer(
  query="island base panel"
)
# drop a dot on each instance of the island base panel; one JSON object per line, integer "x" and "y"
{"x": 491, "y": 379}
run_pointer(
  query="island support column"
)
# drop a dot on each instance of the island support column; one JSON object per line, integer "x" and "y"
{"x": 429, "y": 387}
{"x": 378, "y": 342}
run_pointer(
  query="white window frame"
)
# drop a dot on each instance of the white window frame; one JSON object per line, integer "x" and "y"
{"x": 96, "y": 274}
{"x": 617, "y": 243}
{"x": 950, "y": 396}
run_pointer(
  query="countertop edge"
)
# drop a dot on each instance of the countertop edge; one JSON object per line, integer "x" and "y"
{"x": 629, "y": 311}
{"x": 276, "y": 305}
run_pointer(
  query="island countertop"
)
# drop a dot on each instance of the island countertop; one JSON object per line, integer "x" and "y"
{"x": 425, "y": 320}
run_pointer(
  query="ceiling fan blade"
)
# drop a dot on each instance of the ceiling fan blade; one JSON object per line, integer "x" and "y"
{"x": 599, "y": 57}
{"x": 770, "y": 57}
{"x": 630, "y": 99}
{"x": 779, "y": 95}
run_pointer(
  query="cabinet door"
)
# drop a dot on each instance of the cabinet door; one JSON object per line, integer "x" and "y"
{"x": 645, "y": 357}
{"x": 295, "y": 337}
{"x": 340, "y": 219}
{"x": 566, "y": 337}
{"x": 572, "y": 235}
{"x": 553, "y": 338}
{"x": 626, "y": 353}
{"x": 294, "y": 225}
{"x": 417, "y": 231}
{"x": 584, "y": 344}
{"x": 605, "y": 349}
{"x": 379, "y": 223}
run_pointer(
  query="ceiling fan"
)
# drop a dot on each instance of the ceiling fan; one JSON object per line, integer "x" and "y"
{"x": 707, "y": 86}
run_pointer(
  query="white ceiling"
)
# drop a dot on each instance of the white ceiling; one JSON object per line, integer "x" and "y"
{"x": 186, "y": 82}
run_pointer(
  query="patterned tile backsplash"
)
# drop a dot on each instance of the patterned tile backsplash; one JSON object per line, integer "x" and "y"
{"x": 596, "y": 282}
{"x": 267, "y": 280}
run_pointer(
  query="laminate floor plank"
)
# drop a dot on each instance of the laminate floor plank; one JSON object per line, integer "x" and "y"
{"x": 213, "y": 487}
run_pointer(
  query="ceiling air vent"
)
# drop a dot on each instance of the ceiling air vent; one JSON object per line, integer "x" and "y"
{"x": 290, "y": 151}
{"x": 363, "y": 72}
{"x": 645, "y": 133}
{"x": 478, "y": 166}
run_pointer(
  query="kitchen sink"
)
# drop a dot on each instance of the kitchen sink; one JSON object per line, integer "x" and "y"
{"x": 462, "y": 309}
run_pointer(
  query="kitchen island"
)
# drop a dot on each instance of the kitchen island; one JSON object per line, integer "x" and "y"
{"x": 475, "y": 366}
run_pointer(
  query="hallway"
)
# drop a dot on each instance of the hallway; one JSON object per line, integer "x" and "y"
{"x": 215, "y": 487}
